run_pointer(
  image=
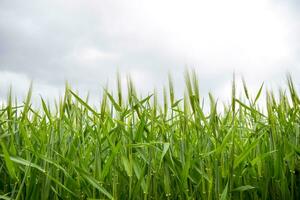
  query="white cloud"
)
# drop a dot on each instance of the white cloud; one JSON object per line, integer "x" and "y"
{"x": 91, "y": 55}
{"x": 214, "y": 33}
{"x": 18, "y": 82}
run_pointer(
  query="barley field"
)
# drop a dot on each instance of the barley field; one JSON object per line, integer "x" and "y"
{"x": 133, "y": 147}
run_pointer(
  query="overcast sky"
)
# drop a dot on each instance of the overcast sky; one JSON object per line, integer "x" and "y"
{"x": 86, "y": 42}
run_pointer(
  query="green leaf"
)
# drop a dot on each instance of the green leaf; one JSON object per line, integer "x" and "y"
{"x": 109, "y": 161}
{"x": 30, "y": 164}
{"x": 117, "y": 107}
{"x": 94, "y": 183}
{"x": 258, "y": 94}
{"x": 27, "y": 103}
{"x": 46, "y": 110}
{"x": 296, "y": 149}
{"x": 84, "y": 103}
{"x": 26, "y": 163}
{"x": 261, "y": 157}
{"x": 166, "y": 148}
{"x": 243, "y": 155}
{"x": 249, "y": 108}
{"x": 224, "y": 193}
{"x": 5, "y": 197}
{"x": 127, "y": 166}
{"x": 243, "y": 188}
{"x": 9, "y": 164}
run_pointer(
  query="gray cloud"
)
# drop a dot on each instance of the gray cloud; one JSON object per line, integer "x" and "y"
{"x": 87, "y": 42}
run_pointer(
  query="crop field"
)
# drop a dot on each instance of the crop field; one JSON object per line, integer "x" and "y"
{"x": 133, "y": 147}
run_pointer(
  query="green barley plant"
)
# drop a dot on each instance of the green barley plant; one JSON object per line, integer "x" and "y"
{"x": 141, "y": 148}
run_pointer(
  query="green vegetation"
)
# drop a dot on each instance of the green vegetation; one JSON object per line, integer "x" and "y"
{"x": 138, "y": 148}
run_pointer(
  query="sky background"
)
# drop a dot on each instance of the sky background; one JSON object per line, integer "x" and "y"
{"x": 87, "y": 42}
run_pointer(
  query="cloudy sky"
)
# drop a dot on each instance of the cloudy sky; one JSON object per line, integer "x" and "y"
{"x": 86, "y": 42}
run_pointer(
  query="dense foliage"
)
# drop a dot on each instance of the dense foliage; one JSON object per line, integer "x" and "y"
{"x": 138, "y": 148}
